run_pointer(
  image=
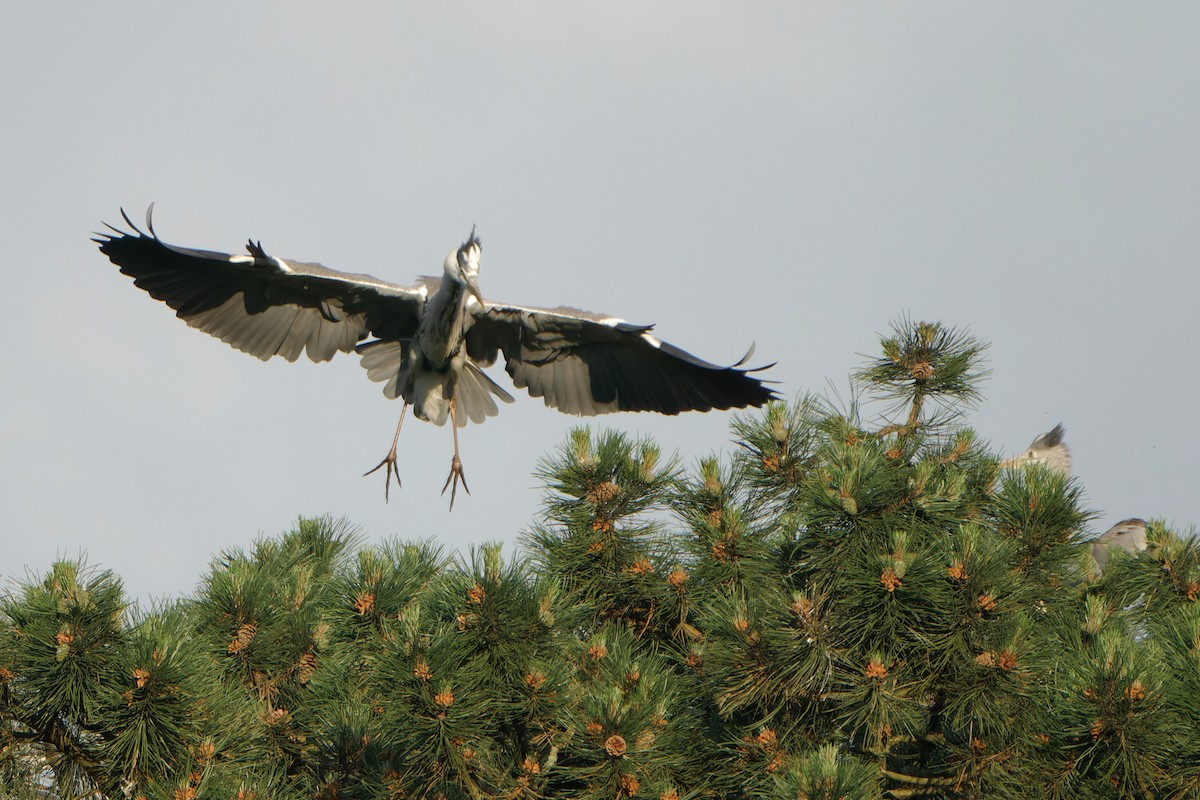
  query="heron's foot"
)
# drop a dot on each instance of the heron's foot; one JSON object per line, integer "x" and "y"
{"x": 390, "y": 462}
{"x": 455, "y": 477}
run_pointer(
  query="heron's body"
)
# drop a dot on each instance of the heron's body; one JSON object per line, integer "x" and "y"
{"x": 432, "y": 341}
{"x": 441, "y": 331}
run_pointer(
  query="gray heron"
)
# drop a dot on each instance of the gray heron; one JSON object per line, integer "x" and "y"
{"x": 1048, "y": 450}
{"x": 1051, "y": 451}
{"x": 1128, "y": 535}
{"x": 427, "y": 343}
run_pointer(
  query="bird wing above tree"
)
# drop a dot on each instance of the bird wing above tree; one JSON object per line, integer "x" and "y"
{"x": 260, "y": 304}
{"x": 585, "y": 363}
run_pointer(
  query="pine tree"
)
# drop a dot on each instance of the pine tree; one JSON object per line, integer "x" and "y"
{"x": 858, "y": 603}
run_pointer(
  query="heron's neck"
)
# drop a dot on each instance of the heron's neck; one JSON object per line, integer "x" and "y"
{"x": 450, "y": 300}
{"x": 442, "y": 326}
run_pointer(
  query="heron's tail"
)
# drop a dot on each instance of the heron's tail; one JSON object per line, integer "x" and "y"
{"x": 389, "y": 361}
{"x": 474, "y": 395}
{"x": 429, "y": 392}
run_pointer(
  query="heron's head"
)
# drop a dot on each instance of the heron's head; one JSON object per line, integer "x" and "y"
{"x": 1049, "y": 449}
{"x": 1128, "y": 535}
{"x": 462, "y": 265}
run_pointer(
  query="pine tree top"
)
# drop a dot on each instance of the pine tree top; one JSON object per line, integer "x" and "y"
{"x": 859, "y": 602}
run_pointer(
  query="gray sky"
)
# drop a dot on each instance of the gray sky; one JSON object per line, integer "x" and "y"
{"x": 794, "y": 174}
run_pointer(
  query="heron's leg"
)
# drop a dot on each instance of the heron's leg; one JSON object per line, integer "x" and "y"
{"x": 456, "y": 471}
{"x": 390, "y": 460}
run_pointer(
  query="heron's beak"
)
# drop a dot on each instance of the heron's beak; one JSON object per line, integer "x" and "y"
{"x": 473, "y": 288}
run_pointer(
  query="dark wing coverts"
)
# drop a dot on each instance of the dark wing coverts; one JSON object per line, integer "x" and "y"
{"x": 260, "y": 304}
{"x": 583, "y": 363}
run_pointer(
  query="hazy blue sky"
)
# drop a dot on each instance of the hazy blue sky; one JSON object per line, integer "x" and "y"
{"x": 795, "y": 174}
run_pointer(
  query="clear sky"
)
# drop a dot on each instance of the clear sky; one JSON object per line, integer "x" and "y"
{"x": 794, "y": 174}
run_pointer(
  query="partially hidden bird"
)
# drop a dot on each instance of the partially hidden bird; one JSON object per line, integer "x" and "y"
{"x": 428, "y": 343}
{"x": 1050, "y": 450}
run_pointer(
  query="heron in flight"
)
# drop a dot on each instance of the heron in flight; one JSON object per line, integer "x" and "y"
{"x": 428, "y": 343}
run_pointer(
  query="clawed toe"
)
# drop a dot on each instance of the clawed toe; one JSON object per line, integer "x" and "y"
{"x": 455, "y": 477}
{"x": 389, "y": 461}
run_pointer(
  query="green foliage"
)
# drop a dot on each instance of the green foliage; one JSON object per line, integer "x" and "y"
{"x": 849, "y": 607}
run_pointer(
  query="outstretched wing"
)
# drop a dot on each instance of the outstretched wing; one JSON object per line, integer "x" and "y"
{"x": 260, "y": 304}
{"x": 584, "y": 363}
